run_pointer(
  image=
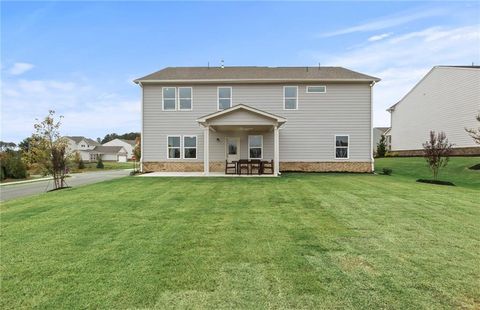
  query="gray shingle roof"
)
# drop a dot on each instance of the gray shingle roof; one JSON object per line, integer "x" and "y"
{"x": 107, "y": 149}
{"x": 131, "y": 142}
{"x": 199, "y": 74}
{"x": 77, "y": 139}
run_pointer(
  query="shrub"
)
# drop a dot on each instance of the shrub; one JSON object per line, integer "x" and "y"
{"x": 13, "y": 166}
{"x": 100, "y": 163}
{"x": 387, "y": 171}
{"x": 382, "y": 147}
{"x": 81, "y": 164}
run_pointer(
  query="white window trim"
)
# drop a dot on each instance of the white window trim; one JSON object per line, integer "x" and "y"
{"x": 261, "y": 157}
{"x": 218, "y": 97}
{"x": 335, "y": 146}
{"x": 163, "y": 100}
{"x": 184, "y": 147}
{"x": 316, "y": 92}
{"x": 191, "y": 98}
{"x": 179, "y": 147}
{"x": 284, "y": 105}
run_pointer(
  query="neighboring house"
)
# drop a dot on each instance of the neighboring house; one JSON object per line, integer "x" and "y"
{"x": 302, "y": 118}
{"x": 107, "y": 153}
{"x": 447, "y": 99}
{"x": 378, "y": 132}
{"x": 80, "y": 143}
{"x": 128, "y": 145}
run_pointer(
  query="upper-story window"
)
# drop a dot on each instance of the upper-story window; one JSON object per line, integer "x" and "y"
{"x": 224, "y": 98}
{"x": 169, "y": 98}
{"x": 317, "y": 89}
{"x": 290, "y": 97}
{"x": 185, "y": 98}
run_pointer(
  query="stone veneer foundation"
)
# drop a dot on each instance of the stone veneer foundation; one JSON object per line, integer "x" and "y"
{"x": 284, "y": 166}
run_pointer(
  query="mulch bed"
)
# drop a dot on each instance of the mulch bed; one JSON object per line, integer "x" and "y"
{"x": 437, "y": 182}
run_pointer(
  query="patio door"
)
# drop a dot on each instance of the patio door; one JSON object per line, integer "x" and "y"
{"x": 232, "y": 148}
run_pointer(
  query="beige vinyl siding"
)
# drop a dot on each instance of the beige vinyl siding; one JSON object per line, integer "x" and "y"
{"x": 308, "y": 134}
{"x": 447, "y": 99}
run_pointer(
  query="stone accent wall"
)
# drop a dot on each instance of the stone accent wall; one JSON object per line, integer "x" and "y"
{"x": 326, "y": 166}
{"x": 173, "y": 166}
{"x": 459, "y": 151}
{"x": 284, "y": 166}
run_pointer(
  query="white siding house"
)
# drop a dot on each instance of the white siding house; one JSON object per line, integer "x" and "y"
{"x": 128, "y": 145}
{"x": 302, "y": 119}
{"x": 447, "y": 99}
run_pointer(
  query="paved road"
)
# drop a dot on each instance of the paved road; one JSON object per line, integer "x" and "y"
{"x": 27, "y": 189}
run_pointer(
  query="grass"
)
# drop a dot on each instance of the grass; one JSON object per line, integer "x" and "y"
{"x": 314, "y": 241}
{"x": 108, "y": 165}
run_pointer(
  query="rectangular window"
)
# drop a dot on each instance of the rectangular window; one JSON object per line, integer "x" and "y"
{"x": 341, "y": 146}
{"x": 224, "y": 98}
{"x": 317, "y": 89}
{"x": 290, "y": 97}
{"x": 255, "y": 147}
{"x": 185, "y": 98}
{"x": 173, "y": 147}
{"x": 169, "y": 98}
{"x": 190, "y": 147}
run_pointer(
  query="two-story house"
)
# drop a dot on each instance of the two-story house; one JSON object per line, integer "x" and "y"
{"x": 298, "y": 118}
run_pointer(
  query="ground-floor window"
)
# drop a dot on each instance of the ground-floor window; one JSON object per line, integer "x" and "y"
{"x": 341, "y": 146}
{"x": 255, "y": 147}
{"x": 173, "y": 147}
{"x": 190, "y": 147}
{"x": 93, "y": 157}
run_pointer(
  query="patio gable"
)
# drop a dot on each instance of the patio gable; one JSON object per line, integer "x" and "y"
{"x": 241, "y": 115}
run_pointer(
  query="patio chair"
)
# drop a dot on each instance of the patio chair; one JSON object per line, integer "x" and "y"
{"x": 243, "y": 165}
{"x": 230, "y": 168}
{"x": 267, "y": 167}
{"x": 255, "y": 166}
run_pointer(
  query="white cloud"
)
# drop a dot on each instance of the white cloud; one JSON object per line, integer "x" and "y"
{"x": 20, "y": 68}
{"x": 88, "y": 110}
{"x": 379, "y": 37}
{"x": 402, "y": 60}
{"x": 387, "y": 22}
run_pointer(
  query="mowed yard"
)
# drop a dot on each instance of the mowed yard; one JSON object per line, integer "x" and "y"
{"x": 298, "y": 241}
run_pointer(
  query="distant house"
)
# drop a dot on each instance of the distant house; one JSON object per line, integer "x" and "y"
{"x": 128, "y": 145}
{"x": 378, "y": 132}
{"x": 91, "y": 150}
{"x": 80, "y": 143}
{"x": 447, "y": 99}
{"x": 107, "y": 153}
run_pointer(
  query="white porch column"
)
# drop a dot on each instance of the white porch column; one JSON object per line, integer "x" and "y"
{"x": 206, "y": 152}
{"x": 276, "y": 151}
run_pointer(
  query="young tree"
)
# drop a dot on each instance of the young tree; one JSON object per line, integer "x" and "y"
{"x": 475, "y": 133}
{"x": 437, "y": 151}
{"x": 48, "y": 149}
{"x": 382, "y": 147}
{"x": 100, "y": 163}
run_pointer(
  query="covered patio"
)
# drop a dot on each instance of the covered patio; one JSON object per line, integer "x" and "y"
{"x": 244, "y": 138}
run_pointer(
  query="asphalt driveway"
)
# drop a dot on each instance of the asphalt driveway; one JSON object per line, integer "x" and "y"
{"x": 11, "y": 191}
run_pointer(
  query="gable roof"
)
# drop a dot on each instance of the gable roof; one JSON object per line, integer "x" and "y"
{"x": 255, "y": 74}
{"x": 78, "y": 139}
{"x": 131, "y": 142}
{"x": 245, "y": 107}
{"x": 392, "y": 108}
{"x": 107, "y": 149}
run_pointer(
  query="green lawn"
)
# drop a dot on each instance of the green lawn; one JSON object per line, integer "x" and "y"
{"x": 298, "y": 241}
{"x": 108, "y": 165}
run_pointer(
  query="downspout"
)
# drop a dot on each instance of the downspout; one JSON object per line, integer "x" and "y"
{"x": 142, "y": 141}
{"x": 371, "y": 126}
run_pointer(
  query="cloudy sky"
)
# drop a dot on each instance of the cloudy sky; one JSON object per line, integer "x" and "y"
{"x": 80, "y": 58}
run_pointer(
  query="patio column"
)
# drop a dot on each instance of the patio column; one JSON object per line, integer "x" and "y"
{"x": 276, "y": 151}
{"x": 206, "y": 141}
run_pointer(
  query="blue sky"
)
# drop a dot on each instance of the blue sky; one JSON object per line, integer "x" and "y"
{"x": 79, "y": 58}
